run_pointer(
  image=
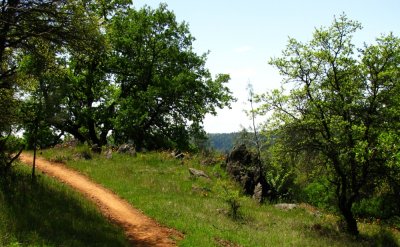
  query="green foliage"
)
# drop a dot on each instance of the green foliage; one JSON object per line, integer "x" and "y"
{"x": 10, "y": 148}
{"x": 281, "y": 182}
{"x": 132, "y": 74}
{"x": 382, "y": 207}
{"x": 231, "y": 196}
{"x": 7, "y": 114}
{"x": 33, "y": 48}
{"x": 340, "y": 109}
{"x": 46, "y": 138}
{"x": 320, "y": 194}
{"x": 247, "y": 138}
{"x": 279, "y": 167}
{"x": 8, "y": 118}
{"x": 165, "y": 89}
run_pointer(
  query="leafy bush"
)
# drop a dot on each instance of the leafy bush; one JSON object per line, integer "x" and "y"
{"x": 233, "y": 200}
{"x": 379, "y": 207}
{"x": 9, "y": 147}
{"x": 318, "y": 193}
{"x": 231, "y": 196}
{"x": 46, "y": 138}
{"x": 281, "y": 182}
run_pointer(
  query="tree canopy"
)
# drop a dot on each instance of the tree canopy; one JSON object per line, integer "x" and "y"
{"x": 164, "y": 88}
{"x": 103, "y": 72}
{"x": 24, "y": 25}
{"x": 341, "y": 109}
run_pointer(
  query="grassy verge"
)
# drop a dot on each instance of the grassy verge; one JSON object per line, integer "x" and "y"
{"x": 162, "y": 188}
{"x": 48, "y": 213}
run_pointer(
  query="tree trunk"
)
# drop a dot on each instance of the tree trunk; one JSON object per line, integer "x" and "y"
{"x": 92, "y": 132}
{"x": 345, "y": 206}
{"x": 34, "y": 150}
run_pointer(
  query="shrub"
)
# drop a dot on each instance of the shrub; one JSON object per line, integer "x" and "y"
{"x": 231, "y": 196}
{"x": 318, "y": 193}
{"x": 85, "y": 152}
{"x": 380, "y": 207}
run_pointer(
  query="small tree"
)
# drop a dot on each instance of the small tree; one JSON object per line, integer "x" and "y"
{"x": 343, "y": 109}
{"x": 253, "y": 118}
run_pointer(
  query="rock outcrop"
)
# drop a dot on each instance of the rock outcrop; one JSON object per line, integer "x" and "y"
{"x": 127, "y": 149}
{"x": 246, "y": 168}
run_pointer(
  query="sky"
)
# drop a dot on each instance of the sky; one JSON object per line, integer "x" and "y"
{"x": 242, "y": 36}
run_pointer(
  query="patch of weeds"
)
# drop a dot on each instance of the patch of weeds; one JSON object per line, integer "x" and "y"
{"x": 323, "y": 230}
{"x": 84, "y": 152}
{"x": 225, "y": 243}
{"x": 60, "y": 159}
{"x": 232, "y": 197}
{"x": 385, "y": 238}
{"x": 202, "y": 190}
{"x": 234, "y": 205}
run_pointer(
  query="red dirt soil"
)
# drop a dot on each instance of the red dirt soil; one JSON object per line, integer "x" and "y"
{"x": 140, "y": 229}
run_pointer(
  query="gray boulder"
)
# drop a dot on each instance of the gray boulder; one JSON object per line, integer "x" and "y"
{"x": 129, "y": 149}
{"x": 286, "y": 206}
{"x": 197, "y": 173}
{"x": 96, "y": 148}
{"x": 258, "y": 194}
{"x": 108, "y": 153}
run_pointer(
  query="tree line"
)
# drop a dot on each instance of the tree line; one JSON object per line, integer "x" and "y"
{"x": 101, "y": 72}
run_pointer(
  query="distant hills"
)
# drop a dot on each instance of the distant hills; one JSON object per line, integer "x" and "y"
{"x": 222, "y": 142}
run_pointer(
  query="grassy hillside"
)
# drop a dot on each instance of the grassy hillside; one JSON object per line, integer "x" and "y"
{"x": 48, "y": 213}
{"x": 162, "y": 188}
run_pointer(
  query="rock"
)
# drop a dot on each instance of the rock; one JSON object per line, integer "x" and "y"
{"x": 257, "y": 195}
{"x": 129, "y": 149}
{"x": 82, "y": 155}
{"x": 197, "y": 173}
{"x": 108, "y": 153}
{"x": 286, "y": 206}
{"x": 179, "y": 156}
{"x": 124, "y": 148}
{"x": 245, "y": 168}
{"x": 132, "y": 152}
{"x": 96, "y": 148}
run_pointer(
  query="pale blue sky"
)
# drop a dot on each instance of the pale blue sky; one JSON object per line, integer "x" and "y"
{"x": 243, "y": 35}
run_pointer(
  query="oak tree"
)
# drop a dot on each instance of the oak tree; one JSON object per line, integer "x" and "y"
{"x": 341, "y": 108}
{"x": 165, "y": 89}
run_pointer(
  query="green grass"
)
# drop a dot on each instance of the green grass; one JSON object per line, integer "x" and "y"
{"x": 48, "y": 213}
{"x": 162, "y": 188}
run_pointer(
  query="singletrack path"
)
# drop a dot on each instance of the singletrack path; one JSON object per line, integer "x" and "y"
{"x": 140, "y": 229}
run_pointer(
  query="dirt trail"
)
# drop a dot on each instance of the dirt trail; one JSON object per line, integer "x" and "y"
{"x": 140, "y": 229}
